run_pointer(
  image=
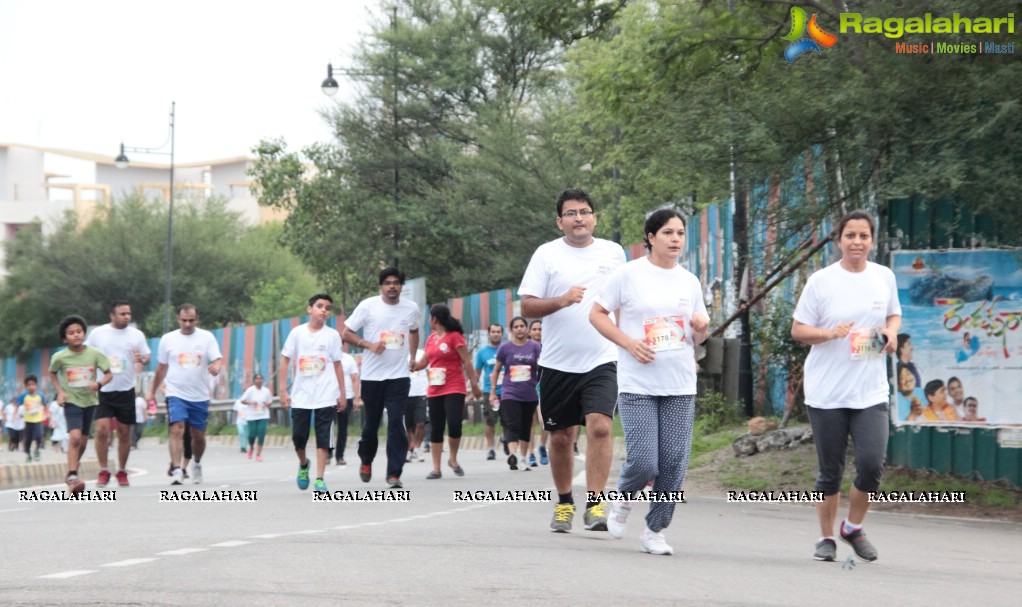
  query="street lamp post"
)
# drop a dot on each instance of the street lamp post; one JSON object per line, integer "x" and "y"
{"x": 121, "y": 162}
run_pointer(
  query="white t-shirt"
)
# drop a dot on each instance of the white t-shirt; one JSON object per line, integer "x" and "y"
{"x": 140, "y": 407}
{"x": 12, "y": 418}
{"x": 658, "y": 304}
{"x": 313, "y": 355}
{"x": 348, "y": 366}
{"x": 848, "y": 372}
{"x": 187, "y": 358}
{"x": 58, "y": 421}
{"x": 263, "y": 399}
{"x": 391, "y": 324}
{"x": 118, "y": 345}
{"x": 570, "y": 342}
{"x": 420, "y": 383}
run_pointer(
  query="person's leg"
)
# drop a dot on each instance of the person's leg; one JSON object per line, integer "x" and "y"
{"x": 323, "y": 418}
{"x": 341, "y": 419}
{"x": 251, "y": 432}
{"x": 372, "y": 414}
{"x": 103, "y": 438}
{"x": 639, "y": 421}
{"x": 675, "y": 416}
{"x": 525, "y": 417}
{"x": 175, "y": 443}
{"x": 455, "y": 406}
{"x": 869, "y": 431}
{"x": 395, "y": 398}
{"x": 437, "y": 422}
{"x": 598, "y": 397}
{"x": 186, "y": 445}
{"x": 124, "y": 444}
{"x": 300, "y": 419}
{"x": 830, "y": 434}
{"x": 261, "y": 426}
{"x": 243, "y": 442}
{"x": 512, "y": 410}
{"x": 198, "y": 412}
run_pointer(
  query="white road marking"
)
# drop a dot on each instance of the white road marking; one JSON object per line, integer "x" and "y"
{"x": 14, "y": 510}
{"x": 181, "y": 551}
{"x": 230, "y": 544}
{"x": 267, "y": 536}
{"x": 66, "y": 574}
{"x": 128, "y": 562}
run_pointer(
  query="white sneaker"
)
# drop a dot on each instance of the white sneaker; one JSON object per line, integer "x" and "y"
{"x": 410, "y": 456}
{"x": 617, "y": 522}
{"x": 177, "y": 477}
{"x": 196, "y": 473}
{"x": 418, "y": 455}
{"x": 654, "y": 543}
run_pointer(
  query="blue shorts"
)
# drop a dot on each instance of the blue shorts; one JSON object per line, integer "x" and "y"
{"x": 193, "y": 412}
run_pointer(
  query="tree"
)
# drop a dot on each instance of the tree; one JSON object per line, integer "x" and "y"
{"x": 448, "y": 163}
{"x": 221, "y": 265}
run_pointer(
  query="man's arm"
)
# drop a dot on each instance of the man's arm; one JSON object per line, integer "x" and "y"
{"x": 342, "y": 402}
{"x": 534, "y": 307}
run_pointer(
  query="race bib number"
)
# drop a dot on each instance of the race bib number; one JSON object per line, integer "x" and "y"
{"x": 437, "y": 376}
{"x": 116, "y": 364}
{"x": 33, "y": 407}
{"x": 80, "y": 377}
{"x": 189, "y": 360}
{"x": 258, "y": 408}
{"x": 392, "y": 340}
{"x": 665, "y": 333}
{"x": 311, "y": 365}
{"x": 865, "y": 343}
{"x": 521, "y": 372}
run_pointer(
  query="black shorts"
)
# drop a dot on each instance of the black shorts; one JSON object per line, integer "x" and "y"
{"x": 119, "y": 405}
{"x": 415, "y": 411}
{"x": 79, "y": 418}
{"x": 569, "y": 397}
{"x": 301, "y": 419}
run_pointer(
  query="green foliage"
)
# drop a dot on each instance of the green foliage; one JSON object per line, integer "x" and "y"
{"x": 447, "y": 164}
{"x": 220, "y": 265}
{"x": 714, "y": 412}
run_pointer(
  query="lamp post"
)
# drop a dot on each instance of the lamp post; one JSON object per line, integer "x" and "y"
{"x": 121, "y": 162}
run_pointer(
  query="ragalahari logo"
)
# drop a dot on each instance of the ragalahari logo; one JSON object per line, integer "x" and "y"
{"x": 805, "y": 35}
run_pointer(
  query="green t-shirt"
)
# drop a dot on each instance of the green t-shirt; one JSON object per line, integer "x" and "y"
{"x": 77, "y": 371}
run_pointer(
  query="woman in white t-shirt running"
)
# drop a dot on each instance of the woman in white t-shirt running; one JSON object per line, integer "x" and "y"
{"x": 849, "y": 313}
{"x": 661, "y": 316}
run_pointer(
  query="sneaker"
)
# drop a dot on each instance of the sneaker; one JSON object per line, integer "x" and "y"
{"x": 394, "y": 482}
{"x": 341, "y": 462}
{"x": 365, "y": 472}
{"x": 196, "y": 473}
{"x": 653, "y": 542}
{"x": 433, "y": 474}
{"x": 102, "y": 480}
{"x": 303, "y": 476}
{"x": 503, "y": 443}
{"x": 419, "y": 456}
{"x": 596, "y": 518}
{"x": 408, "y": 458}
{"x": 319, "y": 486}
{"x": 259, "y": 457}
{"x": 617, "y": 522}
{"x": 543, "y": 457}
{"x": 36, "y": 455}
{"x": 826, "y": 550}
{"x": 250, "y": 453}
{"x": 184, "y": 472}
{"x": 512, "y": 461}
{"x": 122, "y": 478}
{"x": 177, "y": 477}
{"x": 863, "y": 548}
{"x": 491, "y": 454}
{"x": 532, "y": 460}
{"x": 563, "y": 513}
{"x": 75, "y": 484}
{"x": 28, "y": 459}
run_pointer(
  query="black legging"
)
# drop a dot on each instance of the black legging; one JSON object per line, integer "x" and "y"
{"x": 188, "y": 441}
{"x": 449, "y": 408}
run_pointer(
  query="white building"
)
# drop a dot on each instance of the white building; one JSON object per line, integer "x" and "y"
{"x": 40, "y": 184}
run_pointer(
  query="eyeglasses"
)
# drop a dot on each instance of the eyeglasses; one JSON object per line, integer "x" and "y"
{"x": 574, "y": 214}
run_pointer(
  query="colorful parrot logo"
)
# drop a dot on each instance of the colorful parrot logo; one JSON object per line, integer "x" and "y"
{"x": 801, "y": 43}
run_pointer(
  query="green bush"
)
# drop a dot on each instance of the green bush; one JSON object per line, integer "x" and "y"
{"x": 714, "y": 412}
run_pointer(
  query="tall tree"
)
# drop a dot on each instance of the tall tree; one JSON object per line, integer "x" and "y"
{"x": 447, "y": 162}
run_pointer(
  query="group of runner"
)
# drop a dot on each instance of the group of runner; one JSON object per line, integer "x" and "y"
{"x": 617, "y": 335}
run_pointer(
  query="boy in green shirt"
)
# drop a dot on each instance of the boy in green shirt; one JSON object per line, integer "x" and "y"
{"x": 74, "y": 374}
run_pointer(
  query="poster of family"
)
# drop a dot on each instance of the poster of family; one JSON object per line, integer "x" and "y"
{"x": 959, "y": 356}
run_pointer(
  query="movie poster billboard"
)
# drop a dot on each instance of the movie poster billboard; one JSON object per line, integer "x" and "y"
{"x": 959, "y": 357}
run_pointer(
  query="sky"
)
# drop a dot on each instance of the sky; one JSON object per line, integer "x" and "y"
{"x": 87, "y": 75}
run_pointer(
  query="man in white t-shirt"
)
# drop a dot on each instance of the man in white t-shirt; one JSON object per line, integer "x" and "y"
{"x": 186, "y": 358}
{"x": 318, "y": 389}
{"x": 125, "y": 347}
{"x": 578, "y": 367}
{"x": 391, "y": 330}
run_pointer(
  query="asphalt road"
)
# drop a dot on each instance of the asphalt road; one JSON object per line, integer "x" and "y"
{"x": 284, "y": 548}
